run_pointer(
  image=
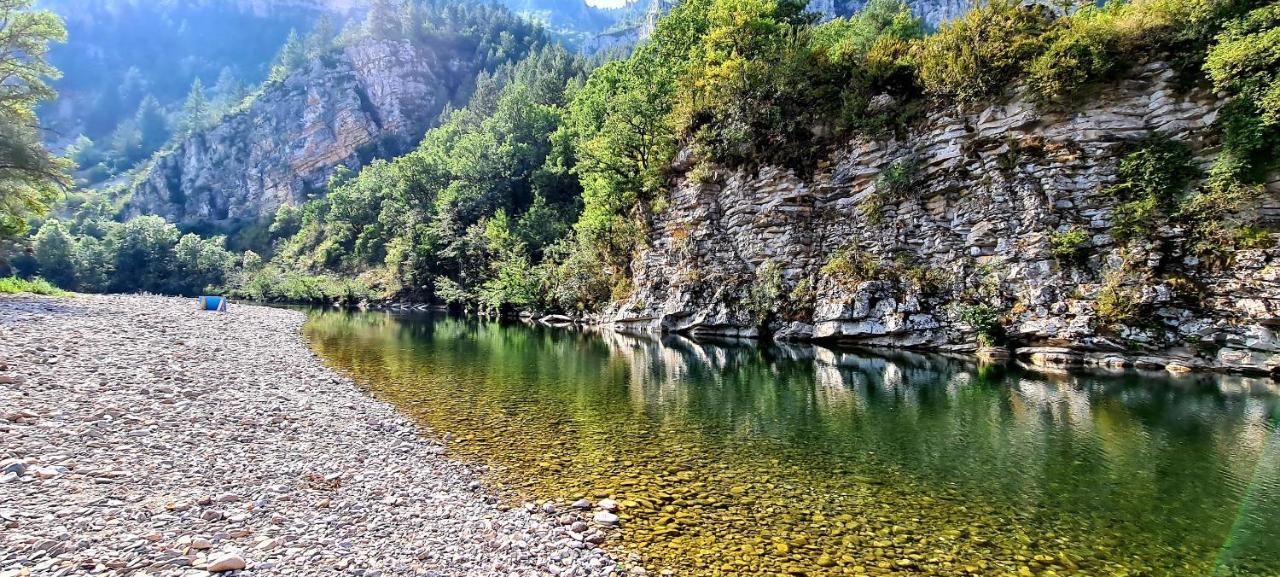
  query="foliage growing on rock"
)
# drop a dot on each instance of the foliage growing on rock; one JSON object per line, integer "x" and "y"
{"x": 1153, "y": 177}
{"x": 1070, "y": 246}
{"x": 981, "y": 53}
{"x": 1119, "y": 300}
{"x": 764, "y": 295}
{"x": 849, "y": 267}
{"x": 985, "y": 320}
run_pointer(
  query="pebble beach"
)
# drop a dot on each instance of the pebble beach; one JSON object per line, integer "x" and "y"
{"x": 139, "y": 436}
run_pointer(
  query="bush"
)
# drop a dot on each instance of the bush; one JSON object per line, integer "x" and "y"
{"x": 850, "y": 266}
{"x": 765, "y": 291}
{"x": 982, "y": 52}
{"x": 39, "y": 286}
{"x": 1069, "y": 246}
{"x": 1083, "y": 48}
{"x": 273, "y": 285}
{"x": 1096, "y": 43}
{"x": 897, "y": 179}
{"x": 1153, "y": 177}
{"x": 1245, "y": 61}
{"x": 985, "y": 320}
{"x": 1119, "y": 301}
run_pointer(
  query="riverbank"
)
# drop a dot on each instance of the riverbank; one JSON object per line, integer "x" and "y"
{"x": 142, "y": 436}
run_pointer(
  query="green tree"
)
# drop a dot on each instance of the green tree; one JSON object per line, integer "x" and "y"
{"x": 125, "y": 144}
{"x": 321, "y": 39}
{"x": 151, "y": 124}
{"x": 382, "y": 21}
{"x": 200, "y": 263}
{"x": 229, "y": 91}
{"x": 143, "y": 254}
{"x": 195, "y": 113}
{"x": 622, "y": 144}
{"x": 982, "y": 52}
{"x": 84, "y": 152}
{"x": 30, "y": 176}
{"x": 291, "y": 58}
{"x": 54, "y": 249}
{"x": 93, "y": 264}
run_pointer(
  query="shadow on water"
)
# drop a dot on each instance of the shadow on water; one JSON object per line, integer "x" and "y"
{"x": 733, "y": 457}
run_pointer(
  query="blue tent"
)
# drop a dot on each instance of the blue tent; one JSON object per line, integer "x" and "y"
{"x": 213, "y": 304}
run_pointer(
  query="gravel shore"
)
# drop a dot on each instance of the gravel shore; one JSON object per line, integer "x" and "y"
{"x": 140, "y": 436}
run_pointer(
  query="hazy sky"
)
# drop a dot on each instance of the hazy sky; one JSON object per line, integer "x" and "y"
{"x": 607, "y": 3}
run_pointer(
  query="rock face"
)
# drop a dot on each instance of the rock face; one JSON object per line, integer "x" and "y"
{"x": 934, "y": 12}
{"x": 374, "y": 99}
{"x": 973, "y": 226}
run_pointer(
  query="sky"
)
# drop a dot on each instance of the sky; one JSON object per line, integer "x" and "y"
{"x": 607, "y": 3}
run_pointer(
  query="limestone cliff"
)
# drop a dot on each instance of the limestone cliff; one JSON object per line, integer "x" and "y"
{"x": 375, "y": 98}
{"x": 992, "y": 187}
{"x": 933, "y": 12}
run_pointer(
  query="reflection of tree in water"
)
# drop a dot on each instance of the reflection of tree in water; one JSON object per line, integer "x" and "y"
{"x": 1153, "y": 466}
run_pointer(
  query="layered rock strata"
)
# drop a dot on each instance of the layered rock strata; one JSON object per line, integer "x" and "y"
{"x": 988, "y": 190}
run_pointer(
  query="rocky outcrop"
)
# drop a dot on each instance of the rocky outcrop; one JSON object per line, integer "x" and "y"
{"x": 934, "y": 12}
{"x": 978, "y": 196}
{"x": 375, "y": 98}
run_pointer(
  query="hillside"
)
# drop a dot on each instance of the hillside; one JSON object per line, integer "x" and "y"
{"x": 1094, "y": 186}
{"x": 121, "y": 51}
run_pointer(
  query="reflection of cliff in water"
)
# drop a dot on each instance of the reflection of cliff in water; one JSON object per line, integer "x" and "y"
{"x": 663, "y": 367}
{"x": 1167, "y": 466}
{"x": 1101, "y": 443}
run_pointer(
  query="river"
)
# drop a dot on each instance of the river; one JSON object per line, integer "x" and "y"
{"x": 730, "y": 457}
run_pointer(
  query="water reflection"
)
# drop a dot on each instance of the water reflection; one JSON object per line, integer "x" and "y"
{"x": 735, "y": 457}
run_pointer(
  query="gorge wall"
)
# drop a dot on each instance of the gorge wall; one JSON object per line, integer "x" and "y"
{"x": 991, "y": 188}
{"x": 374, "y": 99}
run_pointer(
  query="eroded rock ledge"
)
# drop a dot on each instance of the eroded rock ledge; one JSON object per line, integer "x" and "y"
{"x": 993, "y": 186}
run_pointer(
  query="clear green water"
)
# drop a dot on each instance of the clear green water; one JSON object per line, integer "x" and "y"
{"x": 731, "y": 458}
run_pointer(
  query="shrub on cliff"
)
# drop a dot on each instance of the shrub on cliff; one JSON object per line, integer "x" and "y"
{"x": 1246, "y": 60}
{"x": 985, "y": 321}
{"x": 1153, "y": 177}
{"x": 1096, "y": 43}
{"x": 984, "y": 51}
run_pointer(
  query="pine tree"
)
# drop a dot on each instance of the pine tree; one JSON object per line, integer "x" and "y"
{"x": 320, "y": 40}
{"x": 382, "y": 21}
{"x": 125, "y": 143}
{"x": 195, "y": 113}
{"x": 133, "y": 87}
{"x": 151, "y": 124}
{"x": 410, "y": 20}
{"x": 292, "y": 57}
{"x": 229, "y": 91}
{"x": 31, "y": 176}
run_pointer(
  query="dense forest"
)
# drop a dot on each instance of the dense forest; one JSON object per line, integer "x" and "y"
{"x": 537, "y": 193}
